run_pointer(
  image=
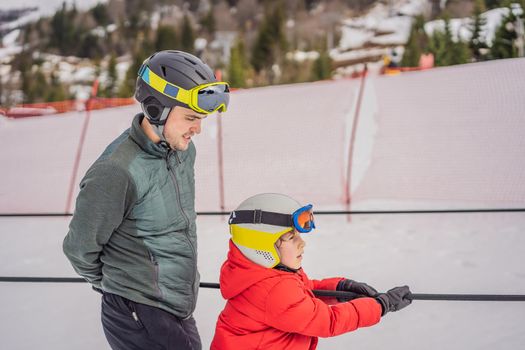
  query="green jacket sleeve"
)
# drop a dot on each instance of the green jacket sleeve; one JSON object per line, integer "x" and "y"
{"x": 105, "y": 198}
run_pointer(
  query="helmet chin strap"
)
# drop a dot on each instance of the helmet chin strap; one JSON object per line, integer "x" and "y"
{"x": 158, "y": 125}
{"x": 159, "y": 130}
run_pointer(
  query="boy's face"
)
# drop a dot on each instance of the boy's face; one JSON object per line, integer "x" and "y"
{"x": 291, "y": 249}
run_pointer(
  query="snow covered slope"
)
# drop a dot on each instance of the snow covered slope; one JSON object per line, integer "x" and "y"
{"x": 445, "y": 121}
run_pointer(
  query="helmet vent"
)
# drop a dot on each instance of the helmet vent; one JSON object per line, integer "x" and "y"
{"x": 200, "y": 75}
{"x": 191, "y": 61}
{"x": 265, "y": 255}
{"x": 163, "y": 68}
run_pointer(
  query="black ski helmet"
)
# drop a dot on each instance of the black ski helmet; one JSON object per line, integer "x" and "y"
{"x": 177, "y": 67}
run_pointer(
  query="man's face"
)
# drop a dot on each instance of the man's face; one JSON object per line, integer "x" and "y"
{"x": 182, "y": 124}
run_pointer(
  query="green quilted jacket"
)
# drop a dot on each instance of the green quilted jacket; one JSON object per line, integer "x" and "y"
{"x": 133, "y": 231}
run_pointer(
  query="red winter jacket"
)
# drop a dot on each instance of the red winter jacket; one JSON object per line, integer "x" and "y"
{"x": 273, "y": 309}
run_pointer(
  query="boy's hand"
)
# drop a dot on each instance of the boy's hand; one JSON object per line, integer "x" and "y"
{"x": 360, "y": 288}
{"x": 395, "y": 299}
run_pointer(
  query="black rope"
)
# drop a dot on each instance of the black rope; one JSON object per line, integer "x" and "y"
{"x": 23, "y": 215}
{"x": 321, "y": 212}
{"x": 319, "y": 293}
{"x": 43, "y": 279}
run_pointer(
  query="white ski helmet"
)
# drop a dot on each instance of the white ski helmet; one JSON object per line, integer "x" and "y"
{"x": 258, "y": 222}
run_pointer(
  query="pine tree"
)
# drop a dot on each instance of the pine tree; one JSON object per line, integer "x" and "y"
{"x": 417, "y": 43}
{"x": 491, "y": 4}
{"x": 64, "y": 34}
{"x": 440, "y": 45}
{"x": 503, "y": 44}
{"x": 90, "y": 46}
{"x": 448, "y": 44}
{"x": 477, "y": 44}
{"x": 271, "y": 43}
{"x": 276, "y": 27}
{"x": 460, "y": 53}
{"x": 166, "y": 38}
{"x": 143, "y": 47}
{"x": 310, "y": 4}
{"x": 262, "y": 50}
{"x": 237, "y": 65}
{"x": 446, "y": 51}
{"x": 111, "y": 83}
{"x": 187, "y": 36}
{"x": 26, "y": 86}
{"x": 437, "y": 46}
{"x": 26, "y": 34}
{"x": 208, "y": 22}
{"x": 412, "y": 51}
{"x": 100, "y": 14}
{"x": 322, "y": 67}
{"x": 127, "y": 87}
{"x": 36, "y": 87}
{"x": 56, "y": 91}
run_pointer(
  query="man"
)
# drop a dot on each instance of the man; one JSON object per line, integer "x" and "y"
{"x": 133, "y": 233}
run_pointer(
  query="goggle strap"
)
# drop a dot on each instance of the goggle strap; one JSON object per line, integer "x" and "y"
{"x": 260, "y": 217}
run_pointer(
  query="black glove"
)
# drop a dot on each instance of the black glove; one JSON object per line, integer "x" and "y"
{"x": 395, "y": 299}
{"x": 360, "y": 288}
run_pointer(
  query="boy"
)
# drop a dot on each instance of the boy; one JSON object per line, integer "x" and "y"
{"x": 270, "y": 301}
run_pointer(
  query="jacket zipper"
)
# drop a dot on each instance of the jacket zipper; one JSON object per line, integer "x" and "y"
{"x": 174, "y": 179}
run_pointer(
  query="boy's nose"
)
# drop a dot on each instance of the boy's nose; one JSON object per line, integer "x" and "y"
{"x": 302, "y": 243}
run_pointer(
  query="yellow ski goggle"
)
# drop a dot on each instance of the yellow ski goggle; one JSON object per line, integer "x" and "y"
{"x": 204, "y": 99}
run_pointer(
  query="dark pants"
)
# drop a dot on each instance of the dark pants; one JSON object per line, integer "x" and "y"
{"x": 133, "y": 326}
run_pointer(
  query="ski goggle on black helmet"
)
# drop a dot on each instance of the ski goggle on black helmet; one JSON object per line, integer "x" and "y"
{"x": 205, "y": 99}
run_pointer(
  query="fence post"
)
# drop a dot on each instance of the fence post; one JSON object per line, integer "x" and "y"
{"x": 218, "y": 75}
{"x": 94, "y": 90}
{"x": 348, "y": 182}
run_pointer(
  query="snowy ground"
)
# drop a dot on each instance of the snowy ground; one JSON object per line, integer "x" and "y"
{"x": 433, "y": 254}
{"x": 417, "y": 131}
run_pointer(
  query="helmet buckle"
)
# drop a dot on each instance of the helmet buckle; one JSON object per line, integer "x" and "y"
{"x": 232, "y": 216}
{"x": 257, "y": 216}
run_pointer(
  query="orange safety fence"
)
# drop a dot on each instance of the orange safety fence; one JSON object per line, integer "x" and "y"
{"x": 51, "y": 108}
{"x": 397, "y": 70}
{"x": 102, "y": 103}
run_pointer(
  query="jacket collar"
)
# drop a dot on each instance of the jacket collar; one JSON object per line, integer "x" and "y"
{"x": 282, "y": 267}
{"x": 139, "y": 136}
{"x": 239, "y": 273}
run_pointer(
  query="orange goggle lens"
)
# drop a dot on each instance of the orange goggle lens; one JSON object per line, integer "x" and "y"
{"x": 304, "y": 219}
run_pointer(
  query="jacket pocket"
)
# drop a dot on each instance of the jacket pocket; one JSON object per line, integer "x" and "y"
{"x": 156, "y": 274}
{"x": 119, "y": 308}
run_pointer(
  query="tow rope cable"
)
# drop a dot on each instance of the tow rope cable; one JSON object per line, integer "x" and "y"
{"x": 320, "y": 212}
{"x": 318, "y": 293}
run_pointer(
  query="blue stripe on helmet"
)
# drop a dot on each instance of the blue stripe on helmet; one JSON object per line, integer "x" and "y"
{"x": 171, "y": 90}
{"x": 145, "y": 75}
